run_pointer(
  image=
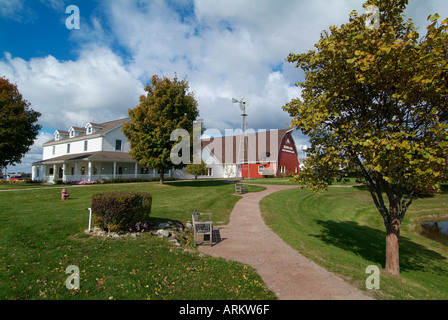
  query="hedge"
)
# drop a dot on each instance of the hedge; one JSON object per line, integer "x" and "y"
{"x": 121, "y": 210}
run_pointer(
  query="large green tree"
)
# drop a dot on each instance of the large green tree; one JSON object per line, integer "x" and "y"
{"x": 167, "y": 106}
{"x": 18, "y": 124}
{"x": 377, "y": 99}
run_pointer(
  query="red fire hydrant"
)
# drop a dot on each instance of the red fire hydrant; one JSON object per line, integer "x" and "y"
{"x": 64, "y": 194}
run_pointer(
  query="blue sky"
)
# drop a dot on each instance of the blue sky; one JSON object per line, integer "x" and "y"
{"x": 224, "y": 48}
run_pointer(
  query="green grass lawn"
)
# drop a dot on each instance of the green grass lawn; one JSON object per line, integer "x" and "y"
{"x": 40, "y": 236}
{"x": 287, "y": 181}
{"x": 342, "y": 230}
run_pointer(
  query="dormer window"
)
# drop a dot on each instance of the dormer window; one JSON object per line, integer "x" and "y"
{"x": 58, "y": 135}
{"x": 92, "y": 128}
{"x": 75, "y": 131}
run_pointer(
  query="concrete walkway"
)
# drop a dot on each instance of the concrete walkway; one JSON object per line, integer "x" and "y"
{"x": 291, "y": 276}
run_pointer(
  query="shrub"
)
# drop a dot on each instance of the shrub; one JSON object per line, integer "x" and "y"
{"x": 128, "y": 180}
{"x": 121, "y": 211}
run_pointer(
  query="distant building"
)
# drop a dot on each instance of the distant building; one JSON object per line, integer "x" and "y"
{"x": 100, "y": 151}
{"x": 97, "y": 151}
{"x": 264, "y": 154}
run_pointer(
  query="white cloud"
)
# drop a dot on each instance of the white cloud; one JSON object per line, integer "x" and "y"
{"x": 96, "y": 87}
{"x": 16, "y": 10}
{"x": 225, "y": 48}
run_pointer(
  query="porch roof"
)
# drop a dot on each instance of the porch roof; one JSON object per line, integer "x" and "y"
{"x": 107, "y": 156}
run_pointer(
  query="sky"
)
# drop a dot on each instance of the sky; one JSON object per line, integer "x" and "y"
{"x": 96, "y": 71}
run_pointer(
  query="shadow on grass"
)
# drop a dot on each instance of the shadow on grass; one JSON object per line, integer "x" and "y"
{"x": 197, "y": 183}
{"x": 370, "y": 244}
{"x": 443, "y": 188}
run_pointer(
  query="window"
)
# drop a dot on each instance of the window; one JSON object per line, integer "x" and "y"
{"x": 89, "y": 130}
{"x": 117, "y": 145}
{"x": 85, "y": 145}
{"x": 72, "y": 133}
{"x": 57, "y": 136}
{"x": 68, "y": 147}
{"x": 209, "y": 172}
{"x": 51, "y": 172}
{"x": 54, "y": 149}
{"x": 260, "y": 169}
{"x": 144, "y": 170}
{"x": 73, "y": 171}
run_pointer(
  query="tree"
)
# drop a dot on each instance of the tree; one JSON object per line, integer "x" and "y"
{"x": 197, "y": 169}
{"x": 167, "y": 106}
{"x": 377, "y": 99}
{"x": 18, "y": 124}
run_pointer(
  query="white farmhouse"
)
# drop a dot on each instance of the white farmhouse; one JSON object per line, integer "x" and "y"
{"x": 96, "y": 152}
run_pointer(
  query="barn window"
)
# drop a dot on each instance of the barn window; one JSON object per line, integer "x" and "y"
{"x": 260, "y": 169}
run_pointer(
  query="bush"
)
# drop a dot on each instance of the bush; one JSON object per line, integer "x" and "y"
{"x": 121, "y": 211}
{"x": 129, "y": 180}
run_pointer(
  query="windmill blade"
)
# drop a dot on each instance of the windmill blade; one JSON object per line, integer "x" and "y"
{"x": 235, "y": 100}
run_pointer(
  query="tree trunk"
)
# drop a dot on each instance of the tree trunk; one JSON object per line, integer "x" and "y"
{"x": 392, "y": 251}
{"x": 162, "y": 176}
{"x": 393, "y": 239}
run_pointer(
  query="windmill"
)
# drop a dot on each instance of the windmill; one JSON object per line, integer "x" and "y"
{"x": 243, "y": 152}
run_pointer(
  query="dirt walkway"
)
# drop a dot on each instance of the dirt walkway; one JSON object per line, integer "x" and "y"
{"x": 291, "y": 276}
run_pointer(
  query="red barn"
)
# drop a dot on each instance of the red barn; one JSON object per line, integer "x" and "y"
{"x": 266, "y": 153}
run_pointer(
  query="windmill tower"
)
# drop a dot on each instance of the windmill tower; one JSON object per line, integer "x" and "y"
{"x": 243, "y": 150}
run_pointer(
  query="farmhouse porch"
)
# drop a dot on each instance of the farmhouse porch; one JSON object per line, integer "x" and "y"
{"x": 91, "y": 166}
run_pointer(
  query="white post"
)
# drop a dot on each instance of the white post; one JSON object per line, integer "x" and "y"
{"x": 54, "y": 172}
{"x": 76, "y": 171}
{"x": 90, "y": 170}
{"x": 136, "y": 168}
{"x": 64, "y": 178}
{"x": 115, "y": 168}
{"x": 34, "y": 173}
{"x": 90, "y": 217}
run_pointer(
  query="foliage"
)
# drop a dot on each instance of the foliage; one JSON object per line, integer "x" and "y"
{"x": 196, "y": 170}
{"x": 167, "y": 106}
{"x": 376, "y": 99}
{"x": 18, "y": 124}
{"x": 129, "y": 180}
{"x": 119, "y": 211}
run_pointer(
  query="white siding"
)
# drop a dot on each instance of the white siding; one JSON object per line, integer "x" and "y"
{"x": 110, "y": 139}
{"x": 76, "y": 146}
